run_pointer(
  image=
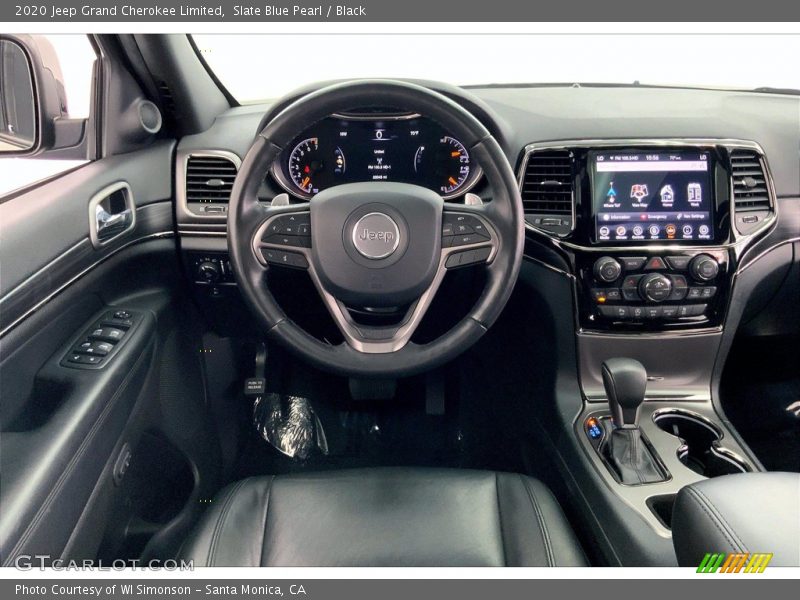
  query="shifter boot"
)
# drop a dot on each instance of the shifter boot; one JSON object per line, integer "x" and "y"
{"x": 631, "y": 458}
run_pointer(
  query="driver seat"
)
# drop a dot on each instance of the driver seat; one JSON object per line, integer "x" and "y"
{"x": 385, "y": 517}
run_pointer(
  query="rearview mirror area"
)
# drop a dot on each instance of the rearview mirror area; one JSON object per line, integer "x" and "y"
{"x": 18, "y": 118}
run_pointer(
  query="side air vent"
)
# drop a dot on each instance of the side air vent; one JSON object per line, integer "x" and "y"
{"x": 547, "y": 190}
{"x": 209, "y": 179}
{"x": 751, "y": 197}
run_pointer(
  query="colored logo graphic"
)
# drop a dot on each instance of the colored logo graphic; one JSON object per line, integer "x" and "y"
{"x": 639, "y": 191}
{"x": 737, "y": 562}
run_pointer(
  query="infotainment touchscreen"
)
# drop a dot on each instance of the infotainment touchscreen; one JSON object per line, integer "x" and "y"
{"x": 649, "y": 196}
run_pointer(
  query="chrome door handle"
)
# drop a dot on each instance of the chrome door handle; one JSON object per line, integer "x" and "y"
{"x": 110, "y": 224}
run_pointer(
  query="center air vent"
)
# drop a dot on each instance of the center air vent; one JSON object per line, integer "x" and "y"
{"x": 209, "y": 179}
{"x": 547, "y": 190}
{"x": 751, "y": 197}
{"x": 749, "y": 182}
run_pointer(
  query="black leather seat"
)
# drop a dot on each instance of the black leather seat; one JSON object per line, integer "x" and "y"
{"x": 743, "y": 513}
{"x": 385, "y": 517}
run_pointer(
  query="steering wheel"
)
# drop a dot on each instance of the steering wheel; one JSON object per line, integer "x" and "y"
{"x": 376, "y": 244}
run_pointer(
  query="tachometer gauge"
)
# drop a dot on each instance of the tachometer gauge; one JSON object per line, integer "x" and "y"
{"x": 448, "y": 164}
{"x": 308, "y": 165}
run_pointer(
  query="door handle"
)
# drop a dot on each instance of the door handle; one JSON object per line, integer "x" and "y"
{"x": 110, "y": 224}
{"x": 112, "y": 213}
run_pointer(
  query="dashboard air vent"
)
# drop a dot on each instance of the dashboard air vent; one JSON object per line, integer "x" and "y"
{"x": 209, "y": 179}
{"x": 750, "y": 190}
{"x": 547, "y": 183}
{"x": 547, "y": 190}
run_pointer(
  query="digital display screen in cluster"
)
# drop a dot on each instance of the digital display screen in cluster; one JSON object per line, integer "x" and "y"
{"x": 652, "y": 196}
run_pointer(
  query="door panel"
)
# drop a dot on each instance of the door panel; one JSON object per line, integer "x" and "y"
{"x": 64, "y": 429}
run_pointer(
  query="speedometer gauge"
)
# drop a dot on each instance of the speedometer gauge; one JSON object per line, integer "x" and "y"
{"x": 447, "y": 164}
{"x": 308, "y": 165}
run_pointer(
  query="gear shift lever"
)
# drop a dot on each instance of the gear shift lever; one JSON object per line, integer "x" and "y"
{"x": 625, "y": 381}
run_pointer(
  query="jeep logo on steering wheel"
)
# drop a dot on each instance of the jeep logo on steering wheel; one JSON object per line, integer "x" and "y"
{"x": 376, "y": 235}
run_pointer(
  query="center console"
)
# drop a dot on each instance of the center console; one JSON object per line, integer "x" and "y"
{"x": 650, "y": 234}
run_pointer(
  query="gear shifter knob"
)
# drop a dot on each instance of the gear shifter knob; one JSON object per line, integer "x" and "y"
{"x": 625, "y": 380}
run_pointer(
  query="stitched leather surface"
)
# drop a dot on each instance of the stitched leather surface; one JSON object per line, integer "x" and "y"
{"x": 386, "y": 517}
{"x": 748, "y": 512}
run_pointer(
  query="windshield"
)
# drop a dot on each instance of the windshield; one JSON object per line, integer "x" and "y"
{"x": 262, "y": 67}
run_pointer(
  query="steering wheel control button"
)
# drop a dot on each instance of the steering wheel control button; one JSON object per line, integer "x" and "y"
{"x": 284, "y": 258}
{"x": 376, "y": 236}
{"x": 466, "y": 240}
{"x": 295, "y": 241}
{"x": 468, "y": 257}
{"x": 107, "y": 334}
{"x": 607, "y": 269}
{"x": 458, "y": 225}
{"x": 678, "y": 263}
{"x": 655, "y": 287}
{"x": 633, "y": 263}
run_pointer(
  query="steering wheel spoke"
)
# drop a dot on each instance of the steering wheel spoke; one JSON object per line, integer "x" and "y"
{"x": 468, "y": 237}
{"x": 284, "y": 238}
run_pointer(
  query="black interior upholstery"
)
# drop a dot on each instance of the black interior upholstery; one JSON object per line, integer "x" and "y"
{"x": 386, "y": 517}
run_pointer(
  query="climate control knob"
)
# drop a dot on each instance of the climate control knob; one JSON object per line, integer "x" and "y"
{"x": 703, "y": 267}
{"x": 655, "y": 287}
{"x": 607, "y": 269}
{"x": 208, "y": 271}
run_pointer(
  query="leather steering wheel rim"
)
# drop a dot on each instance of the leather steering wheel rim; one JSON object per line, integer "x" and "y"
{"x": 504, "y": 213}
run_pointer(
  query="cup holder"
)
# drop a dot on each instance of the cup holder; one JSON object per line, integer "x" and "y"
{"x": 700, "y": 449}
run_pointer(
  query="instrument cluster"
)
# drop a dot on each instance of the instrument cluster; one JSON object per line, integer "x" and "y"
{"x": 405, "y": 148}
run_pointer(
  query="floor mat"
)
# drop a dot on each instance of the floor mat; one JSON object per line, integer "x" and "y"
{"x": 760, "y": 385}
{"x": 395, "y": 432}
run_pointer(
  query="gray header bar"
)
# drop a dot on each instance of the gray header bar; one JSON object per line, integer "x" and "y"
{"x": 733, "y": 587}
{"x": 369, "y": 11}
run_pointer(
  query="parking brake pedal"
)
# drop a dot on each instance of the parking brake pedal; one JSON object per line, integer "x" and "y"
{"x": 257, "y": 385}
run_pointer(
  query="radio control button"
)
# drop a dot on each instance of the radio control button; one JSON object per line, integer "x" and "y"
{"x": 607, "y": 269}
{"x": 678, "y": 263}
{"x": 633, "y": 263}
{"x": 704, "y": 268}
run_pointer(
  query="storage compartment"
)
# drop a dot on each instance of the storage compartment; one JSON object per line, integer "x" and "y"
{"x": 662, "y": 506}
{"x": 701, "y": 449}
{"x": 156, "y": 487}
